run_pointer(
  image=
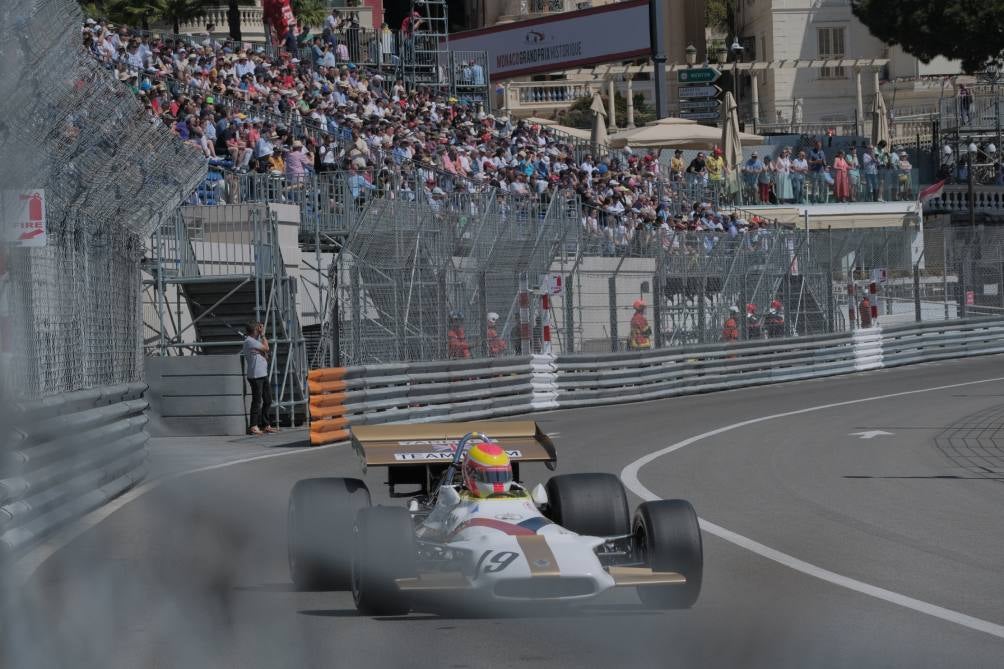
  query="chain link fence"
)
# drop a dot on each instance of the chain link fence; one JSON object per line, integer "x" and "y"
{"x": 71, "y": 131}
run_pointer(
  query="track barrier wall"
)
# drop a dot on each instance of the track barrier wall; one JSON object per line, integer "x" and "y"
{"x": 68, "y": 455}
{"x": 476, "y": 389}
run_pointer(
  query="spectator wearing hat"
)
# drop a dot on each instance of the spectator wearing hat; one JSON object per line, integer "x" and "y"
{"x": 841, "y": 178}
{"x": 716, "y": 169}
{"x": 904, "y": 171}
{"x": 817, "y": 171}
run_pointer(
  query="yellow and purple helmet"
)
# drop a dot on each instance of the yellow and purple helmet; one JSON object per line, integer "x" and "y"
{"x": 487, "y": 470}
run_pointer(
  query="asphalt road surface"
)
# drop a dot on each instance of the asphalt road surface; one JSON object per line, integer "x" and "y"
{"x": 902, "y": 496}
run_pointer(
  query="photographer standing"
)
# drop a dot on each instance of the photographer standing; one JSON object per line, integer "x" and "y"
{"x": 256, "y": 353}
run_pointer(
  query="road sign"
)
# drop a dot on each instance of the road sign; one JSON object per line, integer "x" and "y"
{"x": 706, "y": 105}
{"x": 697, "y": 74}
{"x": 708, "y": 91}
{"x": 700, "y": 116}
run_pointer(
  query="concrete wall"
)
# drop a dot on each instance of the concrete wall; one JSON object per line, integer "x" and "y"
{"x": 196, "y": 395}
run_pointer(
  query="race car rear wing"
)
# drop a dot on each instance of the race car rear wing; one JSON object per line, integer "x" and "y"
{"x": 435, "y": 443}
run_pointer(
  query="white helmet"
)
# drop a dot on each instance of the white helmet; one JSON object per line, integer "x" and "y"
{"x": 947, "y": 150}
{"x": 991, "y": 149}
{"x": 492, "y": 316}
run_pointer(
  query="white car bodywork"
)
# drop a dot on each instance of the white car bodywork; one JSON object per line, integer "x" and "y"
{"x": 509, "y": 551}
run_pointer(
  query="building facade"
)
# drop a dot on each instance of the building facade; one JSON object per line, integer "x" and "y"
{"x": 784, "y": 30}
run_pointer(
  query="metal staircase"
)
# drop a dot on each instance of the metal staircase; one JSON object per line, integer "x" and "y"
{"x": 225, "y": 268}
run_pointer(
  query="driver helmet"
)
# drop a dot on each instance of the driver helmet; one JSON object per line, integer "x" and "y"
{"x": 487, "y": 470}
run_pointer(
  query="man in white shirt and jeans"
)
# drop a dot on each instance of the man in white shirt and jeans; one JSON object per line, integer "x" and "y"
{"x": 256, "y": 352}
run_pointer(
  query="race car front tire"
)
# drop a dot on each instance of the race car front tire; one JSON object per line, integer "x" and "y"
{"x": 593, "y": 505}
{"x": 668, "y": 537}
{"x": 385, "y": 550}
{"x": 320, "y": 521}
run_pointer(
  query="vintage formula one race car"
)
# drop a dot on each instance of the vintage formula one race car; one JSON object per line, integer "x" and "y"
{"x": 486, "y": 538}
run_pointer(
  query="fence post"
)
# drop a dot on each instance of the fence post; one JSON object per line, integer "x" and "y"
{"x": 702, "y": 322}
{"x": 916, "y": 293}
{"x": 961, "y": 283}
{"x": 1000, "y": 281}
{"x": 357, "y": 317}
{"x": 944, "y": 269}
{"x": 657, "y": 306}
{"x": 568, "y": 299}
{"x": 400, "y": 328}
{"x": 612, "y": 291}
{"x": 483, "y": 312}
{"x": 335, "y": 358}
{"x": 525, "y": 345}
{"x": 442, "y": 315}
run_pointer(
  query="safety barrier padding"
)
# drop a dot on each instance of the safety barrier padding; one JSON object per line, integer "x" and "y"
{"x": 328, "y": 422}
{"x": 70, "y": 454}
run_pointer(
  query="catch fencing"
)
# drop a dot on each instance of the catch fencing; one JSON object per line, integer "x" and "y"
{"x": 477, "y": 389}
{"x": 70, "y": 327}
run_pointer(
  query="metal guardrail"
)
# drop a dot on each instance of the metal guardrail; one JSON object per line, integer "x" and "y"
{"x": 70, "y": 454}
{"x": 466, "y": 390}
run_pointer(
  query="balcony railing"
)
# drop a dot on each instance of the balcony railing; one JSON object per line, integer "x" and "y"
{"x": 547, "y": 94}
{"x": 955, "y": 198}
{"x": 523, "y": 9}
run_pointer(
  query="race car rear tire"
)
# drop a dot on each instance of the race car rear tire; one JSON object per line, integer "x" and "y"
{"x": 668, "y": 537}
{"x": 385, "y": 550}
{"x": 320, "y": 521}
{"x": 590, "y": 504}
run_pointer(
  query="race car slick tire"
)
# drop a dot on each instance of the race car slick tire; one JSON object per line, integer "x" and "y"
{"x": 668, "y": 538}
{"x": 384, "y": 551}
{"x": 320, "y": 521}
{"x": 590, "y": 504}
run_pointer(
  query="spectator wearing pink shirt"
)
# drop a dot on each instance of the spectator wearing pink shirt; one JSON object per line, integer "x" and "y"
{"x": 297, "y": 162}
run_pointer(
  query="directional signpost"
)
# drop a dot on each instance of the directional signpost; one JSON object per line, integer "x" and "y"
{"x": 698, "y": 94}
{"x": 707, "y": 91}
{"x": 697, "y": 74}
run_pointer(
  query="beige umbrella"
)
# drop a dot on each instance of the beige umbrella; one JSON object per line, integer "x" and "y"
{"x": 536, "y": 120}
{"x": 880, "y": 121}
{"x": 577, "y": 133}
{"x": 732, "y": 146}
{"x": 677, "y": 134}
{"x": 598, "y": 136}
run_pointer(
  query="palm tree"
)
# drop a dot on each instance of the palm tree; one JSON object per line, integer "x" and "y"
{"x": 309, "y": 13}
{"x": 177, "y": 12}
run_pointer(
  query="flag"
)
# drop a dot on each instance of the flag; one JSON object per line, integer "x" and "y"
{"x": 931, "y": 192}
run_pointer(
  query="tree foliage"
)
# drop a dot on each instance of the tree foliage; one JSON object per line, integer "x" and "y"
{"x": 968, "y": 30}
{"x": 142, "y": 13}
{"x": 580, "y": 114}
{"x": 717, "y": 15}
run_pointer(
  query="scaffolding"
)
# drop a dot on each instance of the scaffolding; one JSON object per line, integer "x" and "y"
{"x": 426, "y": 46}
{"x": 209, "y": 271}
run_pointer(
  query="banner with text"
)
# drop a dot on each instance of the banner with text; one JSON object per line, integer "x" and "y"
{"x": 566, "y": 40}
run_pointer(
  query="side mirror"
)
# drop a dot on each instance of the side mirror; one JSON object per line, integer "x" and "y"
{"x": 450, "y": 496}
{"x": 539, "y": 495}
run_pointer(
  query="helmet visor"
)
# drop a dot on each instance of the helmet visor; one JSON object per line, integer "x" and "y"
{"x": 493, "y": 475}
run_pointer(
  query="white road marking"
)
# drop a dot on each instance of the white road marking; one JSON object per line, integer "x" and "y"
{"x": 28, "y": 564}
{"x": 870, "y": 434}
{"x": 630, "y": 477}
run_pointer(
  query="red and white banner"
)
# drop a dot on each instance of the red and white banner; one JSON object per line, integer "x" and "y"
{"x": 932, "y": 192}
{"x": 24, "y": 218}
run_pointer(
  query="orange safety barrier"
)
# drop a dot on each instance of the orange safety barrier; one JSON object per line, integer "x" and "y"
{"x": 328, "y": 422}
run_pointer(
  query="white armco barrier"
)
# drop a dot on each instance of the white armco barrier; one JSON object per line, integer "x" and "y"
{"x": 544, "y": 380}
{"x": 475, "y": 389}
{"x": 70, "y": 454}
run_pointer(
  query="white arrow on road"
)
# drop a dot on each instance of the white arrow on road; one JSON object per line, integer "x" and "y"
{"x": 870, "y": 434}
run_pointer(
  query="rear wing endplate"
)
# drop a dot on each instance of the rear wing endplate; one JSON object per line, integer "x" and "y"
{"x": 435, "y": 443}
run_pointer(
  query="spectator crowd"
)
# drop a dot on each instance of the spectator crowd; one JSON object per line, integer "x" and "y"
{"x": 249, "y": 109}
